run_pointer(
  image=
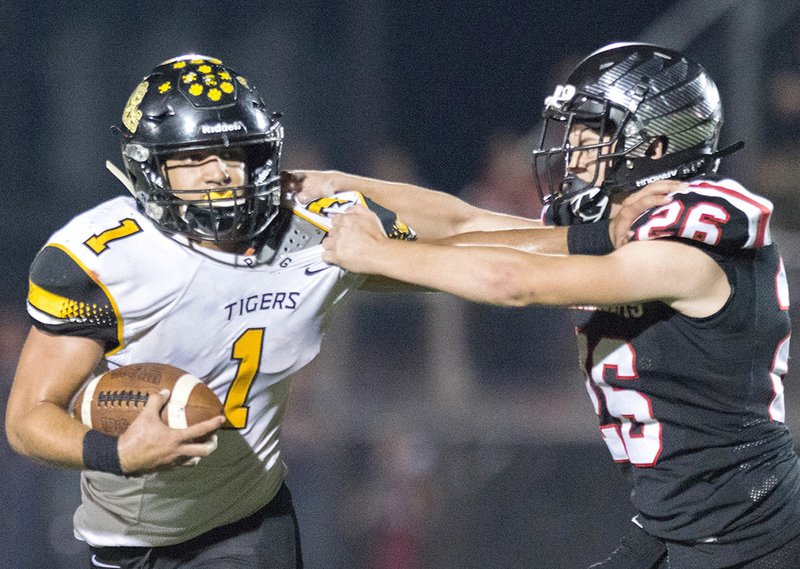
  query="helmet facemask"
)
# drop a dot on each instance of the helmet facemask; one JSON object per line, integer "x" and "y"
{"x": 223, "y": 214}
{"x": 576, "y": 158}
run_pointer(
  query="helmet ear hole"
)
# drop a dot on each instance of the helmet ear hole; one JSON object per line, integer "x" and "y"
{"x": 657, "y": 148}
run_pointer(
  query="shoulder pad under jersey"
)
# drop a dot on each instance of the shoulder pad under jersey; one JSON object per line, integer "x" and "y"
{"x": 308, "y": 224}
{"x": 340, "y": 202}
{"x": 717, "y": 213}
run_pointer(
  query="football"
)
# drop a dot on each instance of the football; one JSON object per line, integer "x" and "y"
{"x": 110, "y": 402}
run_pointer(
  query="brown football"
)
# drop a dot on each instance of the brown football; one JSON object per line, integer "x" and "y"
{"x": 110, "y": 402}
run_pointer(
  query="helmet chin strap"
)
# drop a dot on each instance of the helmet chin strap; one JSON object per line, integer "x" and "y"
{"x": 121, "y": 176}
{"x": 633, "y": 174}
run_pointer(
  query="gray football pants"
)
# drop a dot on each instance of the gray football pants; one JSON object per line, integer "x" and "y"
{"x": 268, "y": 539}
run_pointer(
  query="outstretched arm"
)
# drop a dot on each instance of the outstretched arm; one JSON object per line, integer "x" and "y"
{"x": 432, "y": 214}
{"x": 440, "y": 216}
{"x": 555, "y": 240}
{"x": 639, "y": 272}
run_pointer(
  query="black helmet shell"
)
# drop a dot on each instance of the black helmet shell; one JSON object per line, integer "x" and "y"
{"x": 637, "y": 97}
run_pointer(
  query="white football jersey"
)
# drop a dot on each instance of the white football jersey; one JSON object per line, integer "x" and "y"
{"x": 241, "y": 323}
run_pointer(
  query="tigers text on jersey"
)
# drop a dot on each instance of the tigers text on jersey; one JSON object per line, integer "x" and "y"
{"x": 692, "y": 408}
{"x": 239, "y": 324}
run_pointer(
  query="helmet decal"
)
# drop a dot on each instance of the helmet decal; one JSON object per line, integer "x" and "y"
{"x": 131, "y": 115}
{"x": 205, "y": 82}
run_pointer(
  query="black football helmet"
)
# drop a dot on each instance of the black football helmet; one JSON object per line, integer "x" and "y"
{"x": 194, "y": 104}
{"x": 631, "y": 95}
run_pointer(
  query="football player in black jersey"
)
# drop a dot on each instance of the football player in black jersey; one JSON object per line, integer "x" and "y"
{"x": 683, "y": 332}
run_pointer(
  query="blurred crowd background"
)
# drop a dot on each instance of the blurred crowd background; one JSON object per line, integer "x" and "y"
{"x": 430, "y": 432}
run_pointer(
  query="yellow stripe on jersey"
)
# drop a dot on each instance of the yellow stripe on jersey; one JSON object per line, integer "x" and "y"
{"x": 311, "y": 221}
{"x": 55, "y": 305}
{"x": 65, "y": 308}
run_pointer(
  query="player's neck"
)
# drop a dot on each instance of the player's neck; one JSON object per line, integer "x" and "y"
{"x": 232, "y": 247}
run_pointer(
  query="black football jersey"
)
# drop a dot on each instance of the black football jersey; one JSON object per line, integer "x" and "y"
{"x": 692, "y": 408}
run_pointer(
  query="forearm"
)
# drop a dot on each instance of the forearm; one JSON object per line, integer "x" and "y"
{"x": 49, "y": 435}
{"x": 432, "y": 214}
{"x": 543, "y": 240}
{"x": 479, "y": 274}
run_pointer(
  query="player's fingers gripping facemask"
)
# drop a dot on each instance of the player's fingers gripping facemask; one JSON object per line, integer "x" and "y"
{"x": 601, "y": 128}
{"x": 194, "y": 106}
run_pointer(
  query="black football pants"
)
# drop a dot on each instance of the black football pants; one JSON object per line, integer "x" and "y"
{"x": 640, "y": 550}
{"x": 637, "y": 550}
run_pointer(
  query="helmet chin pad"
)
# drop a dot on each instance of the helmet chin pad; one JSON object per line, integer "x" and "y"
{"x": 579, "y": 202}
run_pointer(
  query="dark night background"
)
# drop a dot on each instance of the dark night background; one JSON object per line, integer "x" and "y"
{"x": 430, "y": 432}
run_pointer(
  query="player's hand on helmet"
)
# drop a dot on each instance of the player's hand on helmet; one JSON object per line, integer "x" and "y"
{"x": 636, "y": 203}
{"x": 148, "y": 444}
{"x": 310, "y": 185}
{"x": 353, "y": 239}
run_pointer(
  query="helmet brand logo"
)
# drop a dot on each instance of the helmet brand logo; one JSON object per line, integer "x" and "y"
{"x": 563, "y": 94}
{"x": 650, "y": 179}
{"x": 222, "y": 127}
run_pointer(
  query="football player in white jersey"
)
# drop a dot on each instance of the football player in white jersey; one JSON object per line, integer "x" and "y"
{"x": 683, "y": 333}
{"x": 207, "y": 268}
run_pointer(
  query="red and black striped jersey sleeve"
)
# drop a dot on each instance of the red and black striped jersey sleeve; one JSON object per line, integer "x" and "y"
{"x": 717, "y": 213}
{"x": 64, "y": 298}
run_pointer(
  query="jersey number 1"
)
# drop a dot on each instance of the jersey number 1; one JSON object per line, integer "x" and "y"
{"x": 247, "y": 350}
{"x": 100, "y": 242}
